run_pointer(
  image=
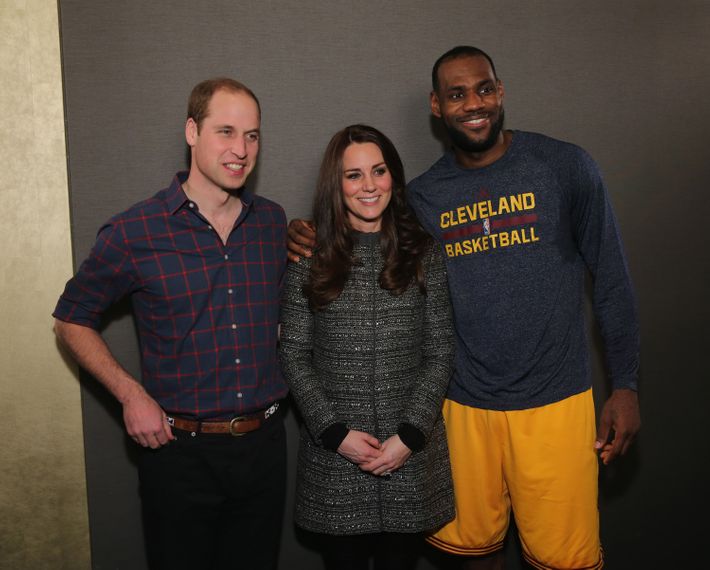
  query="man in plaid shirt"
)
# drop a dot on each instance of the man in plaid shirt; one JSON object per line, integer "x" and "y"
{"x": 202, "y": 262}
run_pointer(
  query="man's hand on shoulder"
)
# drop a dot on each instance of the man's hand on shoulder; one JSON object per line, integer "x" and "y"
{"x": 621, "y": 415}
{"x": 301, "y": 239}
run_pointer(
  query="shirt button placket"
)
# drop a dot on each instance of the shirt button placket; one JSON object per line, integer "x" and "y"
{"x": 230, "y": 292}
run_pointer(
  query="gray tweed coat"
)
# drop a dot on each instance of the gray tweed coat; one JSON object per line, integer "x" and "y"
{"x": 371, "y": 360}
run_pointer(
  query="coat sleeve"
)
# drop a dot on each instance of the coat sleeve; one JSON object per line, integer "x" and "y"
{"x": 437, "y": 348}
{"x": 296, "y": 353}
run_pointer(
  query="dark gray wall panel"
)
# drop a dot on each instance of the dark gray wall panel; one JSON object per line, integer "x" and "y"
{"x": 627, "y": 81}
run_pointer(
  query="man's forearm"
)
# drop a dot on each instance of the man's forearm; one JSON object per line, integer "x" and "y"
{"x": 92, "y": 353}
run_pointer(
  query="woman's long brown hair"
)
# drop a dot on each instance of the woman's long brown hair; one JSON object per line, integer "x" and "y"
{"x": 402, "y": 239}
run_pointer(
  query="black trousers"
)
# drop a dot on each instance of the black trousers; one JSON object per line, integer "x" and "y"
{"x": 386, "y": 550}
{"x": 215, "y": 501}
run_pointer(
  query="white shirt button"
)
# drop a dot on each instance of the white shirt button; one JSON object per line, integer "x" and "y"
{"x": 237, "y": 360}
{"x": 239, "y": 394}
{"x": 234, "y": 325}
{"x": 226, "y": 256}
{"x": 230, "y": 291}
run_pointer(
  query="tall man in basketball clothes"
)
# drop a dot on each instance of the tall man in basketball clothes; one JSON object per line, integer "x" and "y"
{"x": 202, "y": 262}
{"x": 521, "y": 218}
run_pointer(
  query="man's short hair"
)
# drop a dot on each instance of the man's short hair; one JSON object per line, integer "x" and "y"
{"x": 202, "y": 93}
{"x": 455, "y": 53}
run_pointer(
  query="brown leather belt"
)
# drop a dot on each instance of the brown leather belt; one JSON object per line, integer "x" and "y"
{"x": 237, "y": 426}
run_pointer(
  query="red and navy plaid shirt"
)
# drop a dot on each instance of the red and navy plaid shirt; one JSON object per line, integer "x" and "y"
{"x": 207, "y": 313}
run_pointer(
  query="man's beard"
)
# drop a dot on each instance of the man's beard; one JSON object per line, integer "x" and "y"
{"x": 461, "y": 141}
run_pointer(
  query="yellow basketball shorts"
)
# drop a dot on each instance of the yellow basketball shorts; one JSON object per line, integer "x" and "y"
{"x": 541, "y": 463}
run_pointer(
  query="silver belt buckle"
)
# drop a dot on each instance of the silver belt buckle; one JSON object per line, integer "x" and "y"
{"x": 234, "y": 421}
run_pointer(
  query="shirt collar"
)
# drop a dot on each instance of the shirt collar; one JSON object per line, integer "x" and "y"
{"x": 176, "y": 198}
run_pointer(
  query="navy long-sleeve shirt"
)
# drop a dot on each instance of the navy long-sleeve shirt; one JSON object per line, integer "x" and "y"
{"x": 519, "y": 236}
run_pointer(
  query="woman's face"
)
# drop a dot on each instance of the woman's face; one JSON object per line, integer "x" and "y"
{"x": 367, "y": 186}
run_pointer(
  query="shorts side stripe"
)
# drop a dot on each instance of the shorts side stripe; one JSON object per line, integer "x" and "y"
{"x": 451, "y": 549}
{"x": 539, "y": 566}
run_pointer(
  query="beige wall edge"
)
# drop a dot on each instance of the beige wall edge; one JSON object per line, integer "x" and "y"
{"x": 44, "y": 521}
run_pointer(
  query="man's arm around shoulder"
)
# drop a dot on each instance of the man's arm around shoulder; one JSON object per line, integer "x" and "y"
{"x": 301, "y": 239}
{"x": 145, "y": 420}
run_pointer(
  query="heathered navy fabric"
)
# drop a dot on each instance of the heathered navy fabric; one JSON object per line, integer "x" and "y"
{"x": 518, "y": 237}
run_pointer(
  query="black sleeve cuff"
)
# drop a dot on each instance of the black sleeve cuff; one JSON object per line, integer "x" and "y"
{"x": 334, "y": 435}
{"x": 411, "y": 436}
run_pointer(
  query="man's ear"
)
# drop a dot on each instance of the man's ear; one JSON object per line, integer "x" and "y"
{"x": 501, "y": 90}
{"x": 434, "y": 102}
{"x": 191, "y": 132}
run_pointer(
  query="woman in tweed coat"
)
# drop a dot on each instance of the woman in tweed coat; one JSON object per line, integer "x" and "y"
{"x": 367, "y": 348}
